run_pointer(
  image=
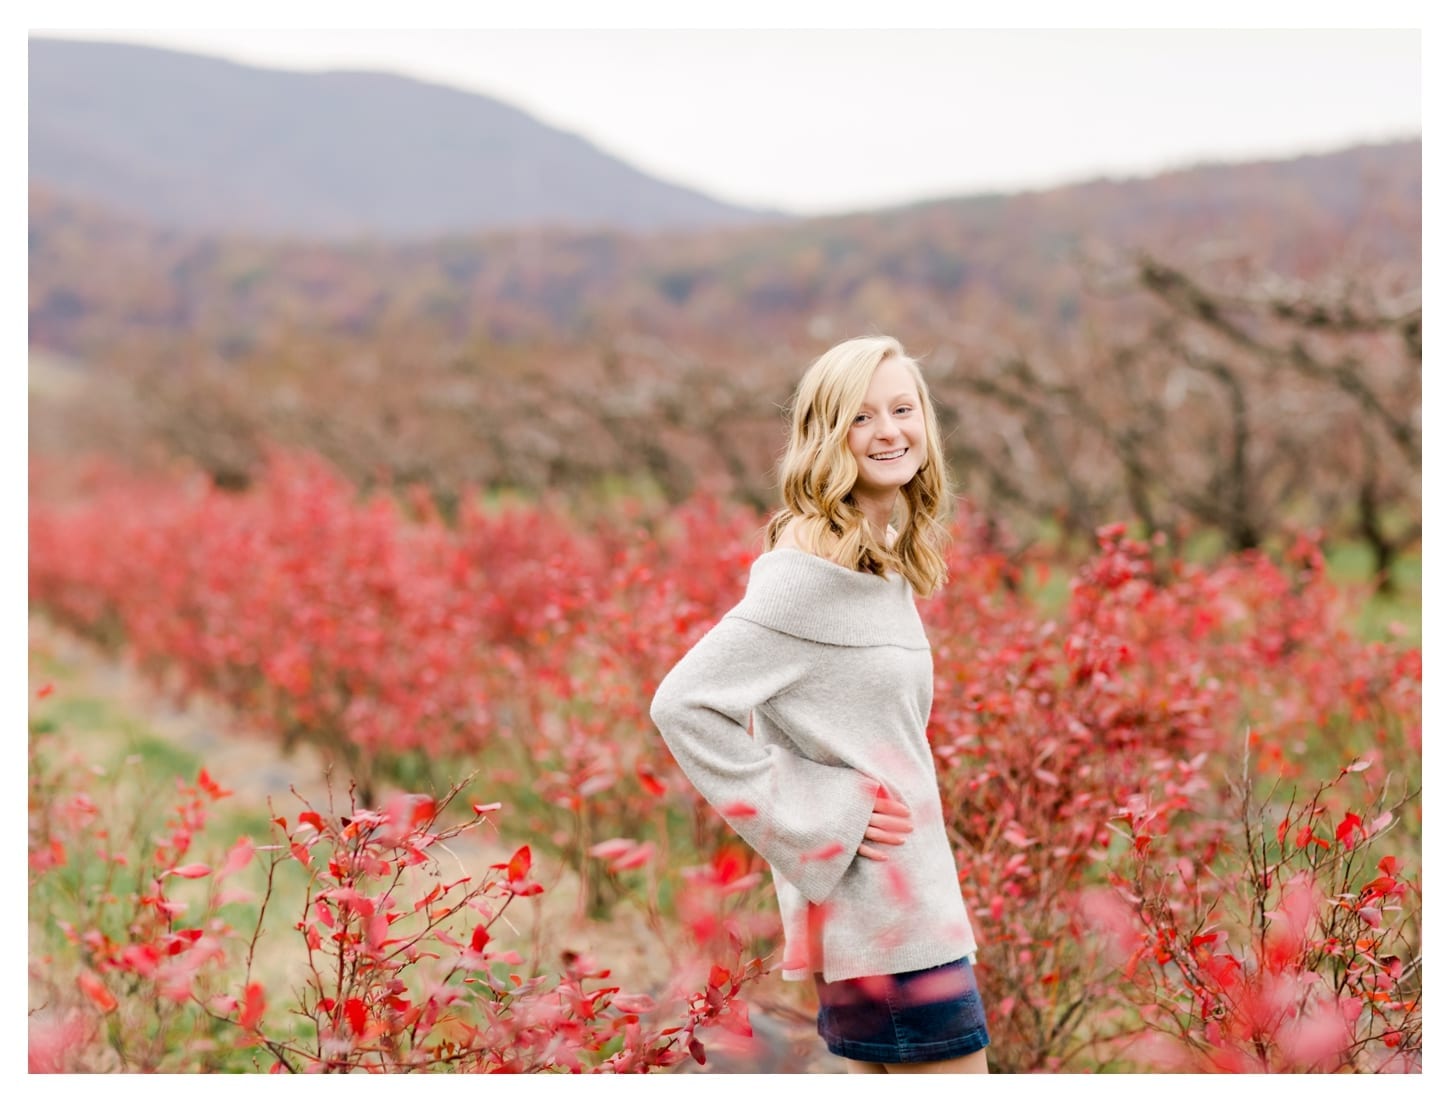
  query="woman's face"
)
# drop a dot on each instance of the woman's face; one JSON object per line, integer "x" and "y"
{"x": 888, "y": 434}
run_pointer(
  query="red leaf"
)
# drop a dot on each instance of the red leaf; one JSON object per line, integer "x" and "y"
{"x": 45, "y": 690}
{"x": 480, "y": 938}
{"x": 697, "y": 1050}
{"x": 312, "y": 819}
{"x": 651, "y": 783}
{"x": 484, "y": 809}
{"x": 237, "y": 857}
{"x": 1345, "y": 831}
{"x": 357, "y": 1016}
{"x": 738, "y": 810}
{"x": 636, "y": 857}
{"x": 377, "y": 930}
{"x": 719, "y": 976}
{"x": 212, "y": 789}
{"x": 612, "y": 848}
{"x": 190, "y": 872}
{"x": 633, "y": 1004}
{"x": 253, "y": 1004}
{"x": 99, "y": 994}
{"x": 737, "y": 1020}
{"x": 141, "y": 959}
{"x": 520, "y": 863}
{"x": 825, "y": 853}
{"x": 1283, "y": 829}
{"x": 730, "y": 864}
{"x": 405, "y": 813}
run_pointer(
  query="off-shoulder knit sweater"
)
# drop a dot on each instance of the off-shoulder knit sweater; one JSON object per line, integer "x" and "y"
{"x": 831, "y": 669}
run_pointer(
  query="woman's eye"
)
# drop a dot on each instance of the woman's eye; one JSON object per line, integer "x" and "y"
{"x": 903, "y": 409}
{"x": 860, "y": 418}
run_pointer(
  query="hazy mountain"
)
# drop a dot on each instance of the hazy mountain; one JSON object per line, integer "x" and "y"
{"x": 191, "y": 142}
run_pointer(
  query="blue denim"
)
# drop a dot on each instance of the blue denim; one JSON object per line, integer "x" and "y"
{"x": 909, "y": 1017}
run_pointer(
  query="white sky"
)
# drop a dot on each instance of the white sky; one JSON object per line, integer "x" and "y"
{"x": 816, "y": 121}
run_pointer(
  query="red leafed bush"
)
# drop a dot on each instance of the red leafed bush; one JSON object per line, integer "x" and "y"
{"x": 324, "y": 618}
{"x": 533, "y": 643}
{"x": 1284, "y": 948}
{"x": 398, "y": 970}
{"x": 1048, "y": 730}
{"x": 382, "y": 636}
{"x": 129, "y": 942}
{"x": 369, "y": 926}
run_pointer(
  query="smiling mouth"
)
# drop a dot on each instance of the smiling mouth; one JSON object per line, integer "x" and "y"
{"x": 886, "y": 457}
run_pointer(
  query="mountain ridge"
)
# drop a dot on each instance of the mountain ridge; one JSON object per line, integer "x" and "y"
{"x": 334, "y": 154}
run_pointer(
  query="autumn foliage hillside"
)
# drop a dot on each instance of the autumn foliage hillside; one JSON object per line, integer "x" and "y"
{"x": 1229, "y": 351}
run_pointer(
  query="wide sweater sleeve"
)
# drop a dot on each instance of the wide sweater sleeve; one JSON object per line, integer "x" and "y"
{"x": 805, "y": 817}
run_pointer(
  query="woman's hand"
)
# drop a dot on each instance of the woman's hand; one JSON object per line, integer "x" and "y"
{"x": 890, "y": 824}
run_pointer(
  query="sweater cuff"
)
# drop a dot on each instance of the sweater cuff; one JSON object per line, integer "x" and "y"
{"x": 817, "y": 874}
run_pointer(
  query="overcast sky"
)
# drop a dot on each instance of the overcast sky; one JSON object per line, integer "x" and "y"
{"x": 820, "y": 121}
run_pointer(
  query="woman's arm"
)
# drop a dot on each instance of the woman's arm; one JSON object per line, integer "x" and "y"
{"x": 806, "y": 818}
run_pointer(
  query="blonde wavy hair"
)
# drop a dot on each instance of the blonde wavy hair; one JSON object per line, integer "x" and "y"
{"x": 818, "y": 473}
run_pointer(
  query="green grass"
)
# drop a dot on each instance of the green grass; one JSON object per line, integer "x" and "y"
{"x": 76, "y": 713}
{"x": 236, "y": 821}
{"x": 1049, "y": 598}
{"x": 1400, "y": 603}
{"x": 158, "y": 756}
{"x": 108, "y": 735}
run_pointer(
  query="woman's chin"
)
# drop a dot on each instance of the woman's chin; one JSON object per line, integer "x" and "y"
{"x": 883, "y": 482}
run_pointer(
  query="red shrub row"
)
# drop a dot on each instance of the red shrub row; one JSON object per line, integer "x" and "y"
{"x": 396, "y": 967}
{"x": 527, "y": 640}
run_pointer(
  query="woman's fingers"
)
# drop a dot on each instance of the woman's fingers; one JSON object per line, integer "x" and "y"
{"x": 893, "y": 823}
{"x": 890, "y": 824}
{"x": 889, "y": 837}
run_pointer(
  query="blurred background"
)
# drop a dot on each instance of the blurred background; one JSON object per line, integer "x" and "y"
{"x": 1170, "y": 276}
{"x": 403, "y": 404}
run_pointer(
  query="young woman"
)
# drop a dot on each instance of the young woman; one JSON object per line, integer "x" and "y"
{"x": 825, "y": 660}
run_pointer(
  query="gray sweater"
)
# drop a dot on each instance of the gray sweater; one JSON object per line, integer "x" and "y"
{"x": 831, "y": 669}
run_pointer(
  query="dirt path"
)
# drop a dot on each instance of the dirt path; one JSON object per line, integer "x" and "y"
{"x": 254, "y": 768}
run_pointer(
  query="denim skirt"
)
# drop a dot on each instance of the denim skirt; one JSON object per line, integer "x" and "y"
{"x": 904, "y": 1018}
